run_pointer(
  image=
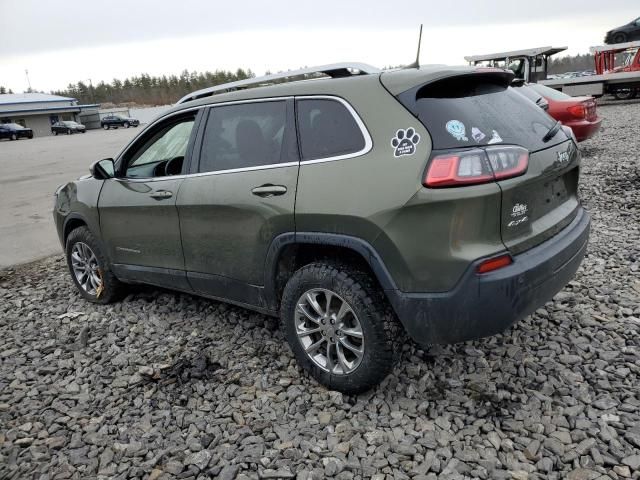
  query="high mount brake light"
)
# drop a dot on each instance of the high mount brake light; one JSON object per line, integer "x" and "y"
{"x": 475, "y": 166}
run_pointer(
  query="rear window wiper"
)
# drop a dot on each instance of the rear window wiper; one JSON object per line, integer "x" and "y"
{"x": 552, "y": 132}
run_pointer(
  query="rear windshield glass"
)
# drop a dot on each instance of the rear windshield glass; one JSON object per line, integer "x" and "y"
{"x": 549, "y": 92}
{"x": 467, "y": 111}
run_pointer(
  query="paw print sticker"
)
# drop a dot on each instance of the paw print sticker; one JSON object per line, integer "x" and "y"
{"x": 404, "y": 142}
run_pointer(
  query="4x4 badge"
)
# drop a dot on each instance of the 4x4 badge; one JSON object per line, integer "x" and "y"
{"x": 404, "y": 142}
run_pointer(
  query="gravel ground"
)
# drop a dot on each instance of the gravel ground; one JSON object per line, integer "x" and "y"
{"x": 167, "y": 385}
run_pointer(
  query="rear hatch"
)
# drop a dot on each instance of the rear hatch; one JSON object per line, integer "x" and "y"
{"x": 479, "y": 111}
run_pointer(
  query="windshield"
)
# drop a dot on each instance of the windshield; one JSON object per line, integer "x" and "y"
{"x": 15, "y": 126}
{"x": 468, "y": 111}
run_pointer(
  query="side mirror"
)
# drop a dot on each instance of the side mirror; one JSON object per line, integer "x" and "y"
{"x": 102, "y": 169}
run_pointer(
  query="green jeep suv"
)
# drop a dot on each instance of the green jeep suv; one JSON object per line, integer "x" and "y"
{"x": 357, "y": 205}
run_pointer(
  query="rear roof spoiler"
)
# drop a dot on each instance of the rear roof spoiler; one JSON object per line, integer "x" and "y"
{"x": 399, "y": 81}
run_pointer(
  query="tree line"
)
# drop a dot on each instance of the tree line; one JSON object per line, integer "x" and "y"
{"x": 146, "y": 89}
{"x": 571, "y": 63}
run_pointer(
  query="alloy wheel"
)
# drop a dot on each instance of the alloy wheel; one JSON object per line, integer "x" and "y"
{"x": 86, "y": 268}
{"x": 329, "y": 331}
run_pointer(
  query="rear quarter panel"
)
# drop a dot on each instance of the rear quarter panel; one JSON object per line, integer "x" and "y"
{"x": 359, "y": 196}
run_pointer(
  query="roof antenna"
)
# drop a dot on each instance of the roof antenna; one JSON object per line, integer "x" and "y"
{"x": 416, "y": 64}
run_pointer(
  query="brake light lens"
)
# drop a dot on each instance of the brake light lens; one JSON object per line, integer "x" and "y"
{"x": 494, "y": 263}
{"x": 577, "y": 111}
{"x": 476, "y": 166}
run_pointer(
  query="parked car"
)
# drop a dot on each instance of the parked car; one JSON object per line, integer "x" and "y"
{"x": 14, "y": 131}
{"x": 578, "y": 113}
{"x": 67, "y": 127}
{"x": 625, "y": 33}
{"x": 435, "y": 202}
{"x": 526, "y": 90}
{"x": 115, "y": 121}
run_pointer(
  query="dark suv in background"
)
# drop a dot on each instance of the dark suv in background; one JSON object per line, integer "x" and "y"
{"x": 436, "y": 202}
{"x": 115, "y": 121}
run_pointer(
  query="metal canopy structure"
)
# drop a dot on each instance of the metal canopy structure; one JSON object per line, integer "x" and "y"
{"x": 530, "y": 52}
{"x": 335, "y": 70}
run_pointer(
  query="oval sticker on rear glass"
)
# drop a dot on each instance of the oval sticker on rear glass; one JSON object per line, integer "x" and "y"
{"x": 404, "y": 142}
{"x": 457, "y": 130}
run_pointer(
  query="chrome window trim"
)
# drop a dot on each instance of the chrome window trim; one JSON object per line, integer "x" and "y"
{"x": 368, "y": 142}
{"x": 206, "y": 174}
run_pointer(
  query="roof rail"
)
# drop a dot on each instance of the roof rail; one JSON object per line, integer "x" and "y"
{"x": 334, "y": 70}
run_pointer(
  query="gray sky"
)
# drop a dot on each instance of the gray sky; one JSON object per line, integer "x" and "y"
{"x": 62, "y": 43}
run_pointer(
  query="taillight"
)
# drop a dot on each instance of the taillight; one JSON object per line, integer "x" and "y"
{"x": 578, "y": 111}
{"x": 494, "y": 263}
{"x": 471, "y": 167}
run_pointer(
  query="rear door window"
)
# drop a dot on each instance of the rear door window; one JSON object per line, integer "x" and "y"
{"x": 245, "y": 135}
{"x": 478, "y": 110}
{"x": 327, "y": 129}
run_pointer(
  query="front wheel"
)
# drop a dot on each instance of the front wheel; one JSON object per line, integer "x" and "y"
{"x": 68, "y": 131}
{"x": 14, "y": 136}
{"x": 106, "y": 127}
{"x": 55, "y": 132}
{"x": 340, "y": 327}
{"x": 619, "y": 38}
{"x": 89, "y": 269}
{"x": 125, "y": 124}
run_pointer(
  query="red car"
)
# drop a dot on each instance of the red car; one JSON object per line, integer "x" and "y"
{"x": 579, "y": 113}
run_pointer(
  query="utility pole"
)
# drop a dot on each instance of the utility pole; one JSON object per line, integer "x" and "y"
{"x": 93, "y": 97}
{"x": 26, "y": 72}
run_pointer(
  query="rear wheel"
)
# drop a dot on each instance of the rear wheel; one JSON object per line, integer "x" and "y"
{"x": 55, "y": 132}
{"x": 89, "y": 268}
{"x": 625, "y": 93}
{"x": 68, "y": 131}
{"x": 14, "y": 136}
{"x": 106, "y": 127}
{"x": 340, "y": 327}
{"x": 125, "y": 124}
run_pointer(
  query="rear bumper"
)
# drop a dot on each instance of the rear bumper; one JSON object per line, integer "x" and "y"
{"x": 585, "y": 129}
{"x": 483, "y": 305}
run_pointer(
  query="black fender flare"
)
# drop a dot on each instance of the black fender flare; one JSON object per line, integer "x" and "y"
{"x": 358, "y": 245}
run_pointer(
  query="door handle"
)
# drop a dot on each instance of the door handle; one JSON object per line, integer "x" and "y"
{"x": 269, "y": 190}
{"x": 161, "y": 194}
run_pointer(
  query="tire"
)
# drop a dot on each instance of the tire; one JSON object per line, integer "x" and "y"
{"x": 68, "y": 131}
{"x": 625, "y": 94}
{"x": 55, "y": 132}
{"x": 106, "y": 127}
{"x": 83, "y": 131}
{"x": 125, "y": 124}
{"x": 111, "y": 286}
{"x": 619, "y": 38}
{"x": 381, "y": 334}
{"x": 14, "y": 136}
